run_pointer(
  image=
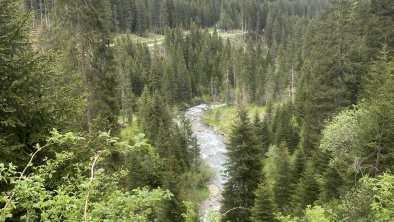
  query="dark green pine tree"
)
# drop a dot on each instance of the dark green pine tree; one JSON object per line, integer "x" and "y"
{"x": 86, "y": 39}
{"x": 264, "y": 208}
{"x": 164, "y": 16}
{"x": 299, "y": 163}
{"x": 285, "y": 129}
{"x": 283, "y": 186}
{"x": 189, "y": 141}
{"x": 154, "y": 117}
{"x": 34, "y": 98}
{"x": 142, "y": 17}
{"x": 331, "y": 186}
{"x": 172, "y": 145}
{"x": 244, "y": 167}
{"x": 156, "y": 72}
{"x": 256, "y": 121}
{"x": 378, "y": 128}
{"x": 330, "y": 80}
{"x": 262, "y": 133}
{"x": 184, "y": 87}
{"x": 307, "y": 190}
{"x": 167, "y": 85}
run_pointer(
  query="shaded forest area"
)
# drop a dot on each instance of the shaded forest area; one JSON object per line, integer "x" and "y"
{"x": 322, "y": 151}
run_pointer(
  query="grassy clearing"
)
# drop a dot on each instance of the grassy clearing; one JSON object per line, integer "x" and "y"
{"x": 152, "y": 39}
{"x": 223, "y": 118}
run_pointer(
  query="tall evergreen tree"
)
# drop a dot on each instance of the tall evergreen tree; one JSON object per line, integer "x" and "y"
{"x": 307, "y": 190}
{"x": 285, "y": 129}
{"x": 282, "y": 184}
{"x": 243, "y": 168}
{"x": 377, "y": 135}
{"x": 264, "y": 205}
{"x": 184, "y": 88}
{"x": 331, "y": 186}
{"x": 33, "y": 97}
{"x": 86, "y": 36}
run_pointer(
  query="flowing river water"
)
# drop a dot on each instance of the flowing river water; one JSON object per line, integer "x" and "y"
{"x": 213, "y": 152}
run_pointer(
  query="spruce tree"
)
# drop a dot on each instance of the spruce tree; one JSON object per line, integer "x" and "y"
{"x": 189, "y": 141}
{"x": 285, "y": 129}
{"x": 307, "y": 190}
{"x": 243, "y": 169}
{"x": 331, "y": 186}
{"x": 86, "y": 39}
{"x": 282, "y": 186}
{"x": 264, "y": 205}
{"x": 377, "y": 134}
{"x": 154, "y": 116}
{"x": 299, "y": 163}
{"x": 34, "y": 97}
{"x": 184, "y": 87}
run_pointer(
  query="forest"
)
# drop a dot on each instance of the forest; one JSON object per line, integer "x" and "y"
{"x": 95, "y": 100}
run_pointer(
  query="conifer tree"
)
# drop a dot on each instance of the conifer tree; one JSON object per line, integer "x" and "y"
{"x": 184, "y": 88}
{"x": 33, "y": 97}
{"x": 299, "y": 163}
{"x": 282, "y": 186}
{"x": 87, "y": 40}
{"x": 377, "y": 134}
{"x": 264, "y": 205}
{"x": 285, "y": 130}
{"x": 156, "y": 72}
{"x": 154, "y": 117}
{"x": 307, "y": 190}
{"x": 124, "y": 67}
{"x": 331, "y": 186}
{"x": 189, "y": 141}
{"x": 262, "y": 133}
{"x": 243, "y": 169}
{"x": 164, "y": 16}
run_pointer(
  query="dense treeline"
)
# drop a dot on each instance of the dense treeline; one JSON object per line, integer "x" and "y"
{"x": 72, "y": 77}
{"x": 323, "y": 150}
{"x": 255, "y": 17}
{"x": 141, "y": 16}
{"x": 327, "y": 152}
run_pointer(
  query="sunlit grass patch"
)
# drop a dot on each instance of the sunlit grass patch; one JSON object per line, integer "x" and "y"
{"x": 223, "y": 118}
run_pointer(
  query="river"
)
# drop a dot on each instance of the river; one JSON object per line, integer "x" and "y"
{"x": 213, "y": 152}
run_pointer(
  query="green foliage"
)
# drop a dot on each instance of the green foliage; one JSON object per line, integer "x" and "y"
{"x": 88, "y": 58}
{"x": 279, "y": 171}
{"x": 355, "y": 137}
{"x": 285, "y": 128}
{"x": 33, "y": 97}
{"x": 190, "y": 215}
{"x": 90, "y": 193}
{"x": 341, "y": 139}
{"x": 318, "y": 59}
{"x": 372, "y": 200}
{"x": 192, "y": 185}
{"x": 243, "y": 169}
{"x": 213, "y": 216}
{"x": 280, "y": 174}
{"x": 312, "y": 214}
{"x": 307, "y": 189}
{"x": 223, "y": 117}
{"x": 128, "y": 132}
{"x": 264, "y": 206}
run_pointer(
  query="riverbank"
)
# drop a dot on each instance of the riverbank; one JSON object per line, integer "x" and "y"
{"x": 222, "y": 118}
{"x": 213, "y": 153}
